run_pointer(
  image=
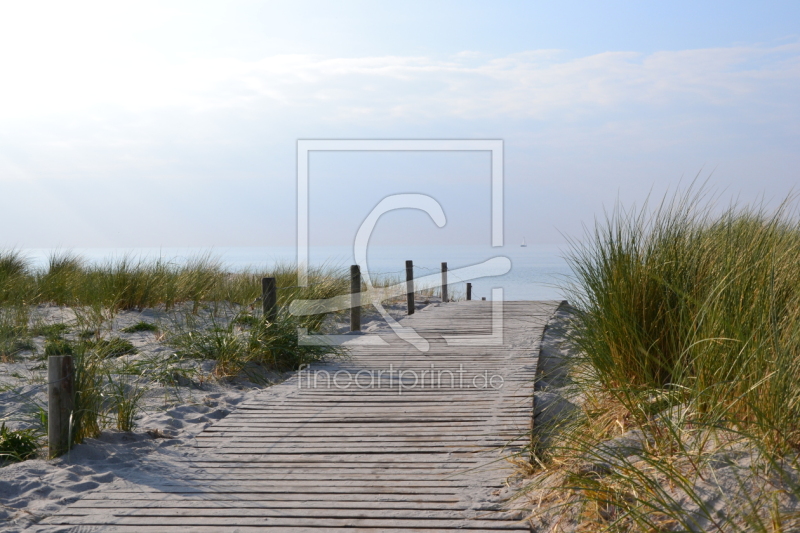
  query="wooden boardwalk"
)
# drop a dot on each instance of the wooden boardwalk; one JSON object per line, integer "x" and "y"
{"x": 359, "y": 453}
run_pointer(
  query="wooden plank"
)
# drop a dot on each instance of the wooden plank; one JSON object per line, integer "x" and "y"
{"x": 189, "y": 528}
{"x": 181, "y": 521}
{"x": 289, "y": 512}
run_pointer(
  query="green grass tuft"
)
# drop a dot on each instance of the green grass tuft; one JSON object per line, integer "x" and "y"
{"x": 246, "y": 320}
{"x": 113, "y": 347}
{"x": 246, "y": 340}
{"x": 51, "y": 331}
{"x": 124, "y": 396}
{"x": 17, "y": 445}
{"x": 140, "y": 326}
{"x": 90, "y": 371}
{"x": 12, "y": 264}
{"x": 59, "y": 346}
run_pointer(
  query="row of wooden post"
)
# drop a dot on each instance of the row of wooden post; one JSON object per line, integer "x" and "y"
{"x": 355, "y": 292}
{"x": 269, "y": 294}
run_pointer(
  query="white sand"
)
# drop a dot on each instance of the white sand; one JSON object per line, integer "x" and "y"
{"x": 34, "y": 489}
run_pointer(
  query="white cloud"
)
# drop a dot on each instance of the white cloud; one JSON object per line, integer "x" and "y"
{"x": 67, "y": 77}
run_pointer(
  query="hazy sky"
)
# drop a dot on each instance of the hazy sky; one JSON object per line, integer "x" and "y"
{"x": 175, "y": 123}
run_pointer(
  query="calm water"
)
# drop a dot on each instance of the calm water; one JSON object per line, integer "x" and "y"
{"x": 536, "y": 271}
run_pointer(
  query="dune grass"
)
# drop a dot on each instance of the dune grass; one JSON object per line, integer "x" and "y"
{"x": 237, "y": 341}
{"x": 131, "y": 283}
{"x": 141, "y": 327}
{"x": 688, "y": 326}
{"x": 17, "y": 445}
{"x": 90, "y": 387}
{"x": 709, "y": 305}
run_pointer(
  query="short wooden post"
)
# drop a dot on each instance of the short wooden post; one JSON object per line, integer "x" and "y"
{"x": 410, "y": 286}
{"x": 269, "y": 298}
{"x": 469, "y": 291}
{"x": 444, "y": 282}
{"x": 60, "y": 403}
{"x": 355, "y": 298}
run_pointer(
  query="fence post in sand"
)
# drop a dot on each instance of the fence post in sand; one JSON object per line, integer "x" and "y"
{"x": 469, "y": 291}
{"x": 410, "y": 286}
{"x": 60, "y": 403}
{"x": 355, "y": 298}
{"x": 444, "y": 282}
{"x": 269, "y": 298}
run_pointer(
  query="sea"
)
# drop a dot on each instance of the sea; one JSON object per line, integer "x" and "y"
{"x": 537, "y": 271}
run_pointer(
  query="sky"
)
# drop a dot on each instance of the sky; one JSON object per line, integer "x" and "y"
{"x": 149, "y": 124}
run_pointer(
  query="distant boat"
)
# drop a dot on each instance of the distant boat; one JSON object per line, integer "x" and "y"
{"x": 523, "y": 245}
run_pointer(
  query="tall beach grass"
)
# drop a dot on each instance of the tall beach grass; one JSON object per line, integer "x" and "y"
{"x": 685, "y": 300}
{"x": 134, "y": 283}
{"x": 686, "y": 319}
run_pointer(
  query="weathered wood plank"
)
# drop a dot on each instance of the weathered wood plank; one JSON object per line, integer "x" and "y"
{"x": 188, "y": 528}
{"x": 178, "y": 521}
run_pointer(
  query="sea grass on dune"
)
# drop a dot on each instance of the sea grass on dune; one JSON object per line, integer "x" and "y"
{"x": 682, "y": 352}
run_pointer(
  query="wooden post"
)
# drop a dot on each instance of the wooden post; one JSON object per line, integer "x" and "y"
{"x": 60, "y": 403}
{"x": 444, "y": 282}
{"x": 469, "y": 291}
{"x": 355, "y": 298}
{"x": 269, "y": 298}
{"x": 410, "y": 286}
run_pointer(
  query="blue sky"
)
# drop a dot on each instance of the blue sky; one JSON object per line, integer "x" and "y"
{"x": 175, "y": 123}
